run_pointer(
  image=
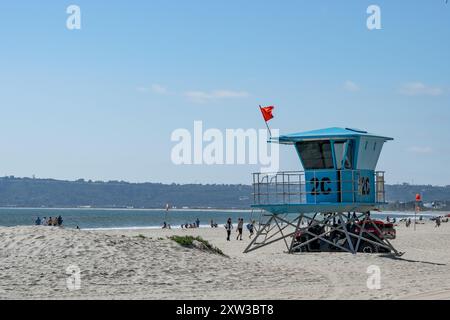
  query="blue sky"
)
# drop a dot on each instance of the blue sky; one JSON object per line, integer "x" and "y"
{"x": 102, "y": 102}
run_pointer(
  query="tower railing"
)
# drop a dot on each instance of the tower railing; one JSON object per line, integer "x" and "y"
{"x": 290, "y": 187}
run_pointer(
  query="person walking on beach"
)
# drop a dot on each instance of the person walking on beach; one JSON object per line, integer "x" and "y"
{"x": 251, "y": 228}
{"x": 240, "y": 226}
{"x": 228, "y": 227}
{"x": 408, "y": 222}
{"x": 197, "y": 222}
{"x": 438, "y": 222}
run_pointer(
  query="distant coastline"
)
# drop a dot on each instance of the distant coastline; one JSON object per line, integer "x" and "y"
{"x": 132, "y": 209}
{"x": 121, "y": 195}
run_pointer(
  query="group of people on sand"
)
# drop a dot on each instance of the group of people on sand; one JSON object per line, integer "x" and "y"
{"x": 437, "y": 220}
{"x": 239, "y": 229}
{"x": 213, "y": 224}
{"x": 53, "y": 222}
{"x": 228, "y": 227}
{"x": 194, "y": 225}
{"x": 388, "y": 219}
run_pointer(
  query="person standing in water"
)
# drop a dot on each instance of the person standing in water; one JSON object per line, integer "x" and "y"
{"x": 239, "y": 228}
{"x": 228, "y": 227}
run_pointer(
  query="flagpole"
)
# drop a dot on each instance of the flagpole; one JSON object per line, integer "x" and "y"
{"x": 267, "y": 125}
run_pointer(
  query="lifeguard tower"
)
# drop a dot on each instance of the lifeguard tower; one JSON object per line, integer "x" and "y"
{"x": 327, "y": 206}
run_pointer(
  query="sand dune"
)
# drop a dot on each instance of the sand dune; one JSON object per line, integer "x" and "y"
{"x": 123, "y": 265}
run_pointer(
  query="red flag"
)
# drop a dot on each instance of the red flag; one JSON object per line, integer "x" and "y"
{"x": 267, "y": 113}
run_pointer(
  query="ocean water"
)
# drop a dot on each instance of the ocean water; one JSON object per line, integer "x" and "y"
{"x": 117, "y": 218}
{"x": 138, "y": 219}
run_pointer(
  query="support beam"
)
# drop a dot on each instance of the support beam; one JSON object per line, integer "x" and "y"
{"x": 273, "y": 232}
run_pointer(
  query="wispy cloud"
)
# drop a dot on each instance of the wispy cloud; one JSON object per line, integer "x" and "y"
{"x": 203, "y": 96}
{"x": 143, "y": 89}
{"x": 420, "y": 150}
{"x": 419, "y": 88}
{"x": 155, "y": 88}
{"x": 159, "y": 89}
{"x": 351, "y": 86}
{"x": 195, "y": 95}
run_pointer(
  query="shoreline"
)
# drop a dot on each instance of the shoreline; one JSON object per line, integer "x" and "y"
{"x": 153, "y": 219}
{"x": 428, "y": 212}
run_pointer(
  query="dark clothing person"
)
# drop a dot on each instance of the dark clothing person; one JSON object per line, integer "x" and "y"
{"x": 38, "y": 221}
{"x": 251, "y": 228}
{"x": 197, "y": 222}
{"x": 60, "y": 221}
{"x": 239, "y": 228}
{"x": 408, "y": 223}
{"x": 228, "y": 227}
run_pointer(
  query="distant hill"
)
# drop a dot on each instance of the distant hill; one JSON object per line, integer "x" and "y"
{"x": 28, "y": 192}
{"x": 407, "y": 192}
{"x": 402, "y": 197}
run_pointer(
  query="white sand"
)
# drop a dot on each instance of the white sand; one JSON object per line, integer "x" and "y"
{"x": 119, "y": 265}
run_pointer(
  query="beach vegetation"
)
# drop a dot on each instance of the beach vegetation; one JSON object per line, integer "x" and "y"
{"x": 189, "y": 242}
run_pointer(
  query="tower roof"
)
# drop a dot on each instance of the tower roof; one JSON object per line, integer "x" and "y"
{"x": 327, "y": 133}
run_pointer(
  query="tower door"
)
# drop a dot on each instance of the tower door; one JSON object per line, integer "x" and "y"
{"x": 344, "y": 160}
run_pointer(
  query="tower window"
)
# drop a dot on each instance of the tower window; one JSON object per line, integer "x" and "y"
{"x": 315, "y": 154}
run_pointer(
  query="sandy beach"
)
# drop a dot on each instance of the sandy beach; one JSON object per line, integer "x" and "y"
{"x": 144, "y": 264}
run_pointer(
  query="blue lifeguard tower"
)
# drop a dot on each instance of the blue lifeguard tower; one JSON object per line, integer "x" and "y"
{"x": 327, "y": 206}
